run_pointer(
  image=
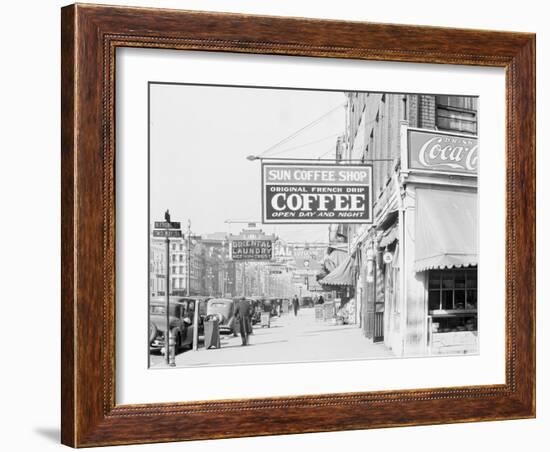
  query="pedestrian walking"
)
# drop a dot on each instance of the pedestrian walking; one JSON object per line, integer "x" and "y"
{"x": 321, "y": 300}
{"x": 295, "y": 305}
{"x": 242, "y": 314}
{"x": 249, "y": 318}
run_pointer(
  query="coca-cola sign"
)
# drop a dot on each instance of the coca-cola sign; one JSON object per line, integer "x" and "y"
{"x": 435, "y": 151}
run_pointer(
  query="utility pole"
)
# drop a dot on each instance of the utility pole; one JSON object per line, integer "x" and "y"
{"x": 188, "y": 285}
{"x": 168, "y": 229}
{"x": 306, "y": 265}
{"x": 223, "y": 270}
{"x": 197, "y": 301}
{"x": 167, "y": 333}
{"x": 244, "y": 278}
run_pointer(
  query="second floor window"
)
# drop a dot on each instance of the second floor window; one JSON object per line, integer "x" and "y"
{"x": 456, "y": 113}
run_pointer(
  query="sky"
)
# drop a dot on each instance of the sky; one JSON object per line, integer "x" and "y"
{"x": 200, "y": 137}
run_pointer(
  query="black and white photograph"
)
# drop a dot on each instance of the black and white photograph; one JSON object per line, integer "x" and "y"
{"x": 245, "y": 225}
{"x": 293, "y": 225}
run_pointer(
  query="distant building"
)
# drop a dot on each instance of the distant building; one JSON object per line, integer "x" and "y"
{"x": 219, "y": 269}
{"x": 157, "y": 268}
{"x": 157, "y": 265}
{"x": 178, "y": 263}
{"x": 251, "y": 270}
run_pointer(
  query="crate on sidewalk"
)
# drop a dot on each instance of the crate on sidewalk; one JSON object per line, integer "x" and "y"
{"x": 265, "y": 319}
{"x": 286, "y": 306}
{"x": 329, "y": 311}
{"x": 319, "y": 313}
{"x": 212, "y": 334}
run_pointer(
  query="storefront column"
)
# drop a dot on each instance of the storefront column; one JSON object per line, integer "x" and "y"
{"x": 369, "y": 291}
{"x": 416, "y": 314}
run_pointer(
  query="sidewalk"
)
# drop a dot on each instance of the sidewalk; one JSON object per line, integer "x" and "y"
{"x": 290, "y": 339}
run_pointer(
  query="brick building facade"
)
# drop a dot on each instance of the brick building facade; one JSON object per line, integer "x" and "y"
{"x": 413, "y": 291}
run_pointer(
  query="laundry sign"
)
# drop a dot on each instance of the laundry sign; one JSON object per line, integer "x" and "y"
{"x": 435, "y": 151}
{"x": 254, "y": 250}
{"x": 316, "y": 193}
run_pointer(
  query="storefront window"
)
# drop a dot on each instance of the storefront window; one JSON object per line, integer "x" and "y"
{"x": 452, "y": 289}
{"x": 452, "y": 299}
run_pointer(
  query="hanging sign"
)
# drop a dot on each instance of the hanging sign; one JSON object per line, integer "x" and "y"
{"x": 442, "y": 152}
{"x": 253, "y": 250}
{"x": 167, "y": 225}
{"x": 170, "y": 233}
{"x": 316, "y": 193}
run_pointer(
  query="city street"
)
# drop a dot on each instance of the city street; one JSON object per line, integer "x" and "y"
{"x": 289, "y": 339}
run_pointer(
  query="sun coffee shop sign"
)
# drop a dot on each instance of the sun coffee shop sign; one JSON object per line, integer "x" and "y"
{"x": 316, "y": 193}
{"x": 442, "y": 152}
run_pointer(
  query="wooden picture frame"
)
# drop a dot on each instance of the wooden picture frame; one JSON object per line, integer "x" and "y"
{"x": 90, "y": 35}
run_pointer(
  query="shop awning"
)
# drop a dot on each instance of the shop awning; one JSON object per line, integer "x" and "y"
{"x": 341, "y": 275}
{"x": 334, "y": 257}
{"x": 389, "y": 237}
{"x": 446, "y": 229}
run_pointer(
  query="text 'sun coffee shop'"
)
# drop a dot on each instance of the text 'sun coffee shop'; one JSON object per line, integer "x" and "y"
{"x": 413, "y": 271}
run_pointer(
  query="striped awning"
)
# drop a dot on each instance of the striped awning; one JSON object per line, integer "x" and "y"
{"x": 446, "y": 229}
{"x": 333, "y": 258}
{"x": 389, "y": 237}
{"x": 343, "y": 275}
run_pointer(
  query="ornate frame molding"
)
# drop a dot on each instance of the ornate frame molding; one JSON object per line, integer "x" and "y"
{"x": 90, "y": 37}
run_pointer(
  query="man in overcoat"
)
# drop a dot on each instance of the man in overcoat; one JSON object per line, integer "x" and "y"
{"x": 295, "y": 305}
{"x": 242, "y": 315}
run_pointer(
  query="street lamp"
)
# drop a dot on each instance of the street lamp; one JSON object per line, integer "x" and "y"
{"x": 252, "y": 157}
{"x": 306, "y": 278}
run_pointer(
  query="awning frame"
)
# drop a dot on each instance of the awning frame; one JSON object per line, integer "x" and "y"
{"x": 343, "y": 275}
{"x": 446, "y": 231}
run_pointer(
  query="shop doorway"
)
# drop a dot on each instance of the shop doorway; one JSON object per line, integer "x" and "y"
{"x": 378, "y": 335}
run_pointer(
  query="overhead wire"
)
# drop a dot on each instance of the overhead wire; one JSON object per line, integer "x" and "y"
{"x": 325, "y": 153}
{"x": 302, "y": 129}
{"x": 297, "y": 132}
{"x": 305, "y": 144}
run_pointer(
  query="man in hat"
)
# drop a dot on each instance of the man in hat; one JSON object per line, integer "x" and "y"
{"x": 295, "y": 304}
{"x": 242, "y": 314}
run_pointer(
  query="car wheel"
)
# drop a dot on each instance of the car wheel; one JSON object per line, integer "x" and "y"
{"x": 179, "y": 343}
{"x": 176, "y": 335}
{"x": 232, "y": 324}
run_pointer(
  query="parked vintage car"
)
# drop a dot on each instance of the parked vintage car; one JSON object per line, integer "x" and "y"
{"x": 256, "y": 307}
{"x": 224, "y": 310}
{"x": 267, "y": 305}
{"x": 181, "y": 320}
{"x": 306, "y": 302}
{"x": 276, "y": 306}
{"x": 189, "y": 309}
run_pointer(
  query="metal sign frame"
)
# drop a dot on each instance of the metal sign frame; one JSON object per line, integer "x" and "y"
{"x": 368, "y": 220}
